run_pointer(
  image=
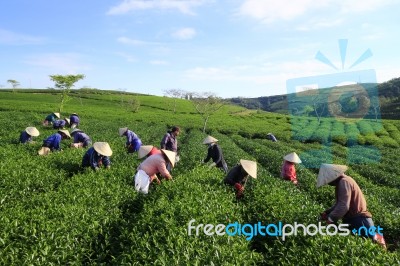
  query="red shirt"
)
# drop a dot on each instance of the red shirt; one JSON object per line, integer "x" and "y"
{"x": 289, "y": 171}
{"x": 154, "y": 151}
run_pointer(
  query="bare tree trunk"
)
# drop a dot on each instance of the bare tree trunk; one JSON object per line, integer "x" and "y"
{"x": 205, "y": 124}
{"x": 175, "y": 106}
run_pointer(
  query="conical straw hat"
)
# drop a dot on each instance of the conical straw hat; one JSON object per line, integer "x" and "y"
{"x": 68, "y": 121}
{"x": 292, "y": 157}
{"x": 74, "y": 114}
{"x": 250, "y": 167}
{"x": 103, "y": 148}
{"x": 329, "y": 172}
{"x": 144, "y": 150}
{"x": 66, "y": 132}
{"x": 122, "y": 130}
{"x": 76, "y": 130}
{"x": 44, "y": 151}
{"x": 209, "y": 140}
{"x": 57, "y": 114}
{"x": 32, "y": 131}
{"x": 170, "y": 155}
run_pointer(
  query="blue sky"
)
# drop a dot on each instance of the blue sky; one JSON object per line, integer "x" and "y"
{"x": 245, "y": 48}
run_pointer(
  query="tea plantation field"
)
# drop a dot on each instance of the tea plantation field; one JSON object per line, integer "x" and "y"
{"x": 52, "y": 212}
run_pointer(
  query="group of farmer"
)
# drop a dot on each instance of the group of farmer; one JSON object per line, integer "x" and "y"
{"x": 350, "y": 203}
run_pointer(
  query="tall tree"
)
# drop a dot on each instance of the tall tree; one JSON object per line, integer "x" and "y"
{"x": 65, "y": 84}
{"x": 175, "y": 93}
{"x": 13, "y": 83}
{"x": 319, "y": 104}
{"x": 207, "y": 104}
{"x": 375, "y": 104}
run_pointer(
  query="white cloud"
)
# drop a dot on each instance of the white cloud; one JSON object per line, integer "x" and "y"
{"x": 12, "y": 38}
{"x": 126, "y": 40}
{"x": 183, "y": 6}
{"x": 158, "y": 62}
{"x": 268, "y": 11}
{"x": 184, "y": 33}
{"x": 356, "y": 6}
{"x": 68, "y": 63}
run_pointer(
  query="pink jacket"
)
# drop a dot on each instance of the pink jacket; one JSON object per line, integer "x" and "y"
{"x": 153, "y": 165}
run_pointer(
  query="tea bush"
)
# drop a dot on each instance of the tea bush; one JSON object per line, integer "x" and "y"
{"x": 52, "y": 212}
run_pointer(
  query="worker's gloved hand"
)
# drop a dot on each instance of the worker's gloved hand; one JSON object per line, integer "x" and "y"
{"x": 239, "y": 187}
{"x": 239, "y": 190}
{"x": 211, "y": 165}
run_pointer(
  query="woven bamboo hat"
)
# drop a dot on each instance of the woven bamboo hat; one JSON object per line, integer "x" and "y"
{"x": 103, "y": 148}
{"x": 329, "y": 172}
{"x": 292, "y": 157}
{"x": 44, "y": 151}
{"x": 32, "y": 131}
{"x": 209, "y": 140}
{"x": 75, "y": 130}
{"x": 57, "y": 114}
{"x": 68, "y": 121}
{"x": 66, "y": 132}
{"x": 144, "y": 150}
{"x": 250, "y": 167}
{"x": 122, "y": 130}
{"x": 170, "y": 155}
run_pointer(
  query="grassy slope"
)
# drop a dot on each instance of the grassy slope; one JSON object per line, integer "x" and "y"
{"x": 52, "y": 212}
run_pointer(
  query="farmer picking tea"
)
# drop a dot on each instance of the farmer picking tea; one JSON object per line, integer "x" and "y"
{"x": 150, "y": 167}
{"x": 133, "y": 142}
{"x": 238, "y": 175}
{"x": 50, "y": 119}
{"x": 27, "y": 134}
{"x": 97, "y": 156}
{"x": 170, "y": 142}
{"x": 288, "y": 170}
{"x": 53, "y": 143}
{"x": 74, "y": 120}
{"x": 81, "y": 139}
{"x": 60, "y": 124}
{"x": 350, "y": 205}
{"x": 215, "y": 153}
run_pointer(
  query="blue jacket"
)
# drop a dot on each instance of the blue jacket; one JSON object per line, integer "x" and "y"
{"x": 53, "y": 142}
{"x": 80, "y": 137}
{"x": 93, "y": 159}
{"x": 25, "y": 137}
{"x": 74, "y": 119}
{"x": 51, "y": 117}
{"x": 131, "y": 138}
{"x": 59, "y": 124}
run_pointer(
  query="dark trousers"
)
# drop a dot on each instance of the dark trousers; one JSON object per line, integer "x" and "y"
{"x": 360, "y": 222}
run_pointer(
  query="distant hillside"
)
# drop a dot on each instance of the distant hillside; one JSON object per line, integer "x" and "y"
{"x": 346, "y": 100}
